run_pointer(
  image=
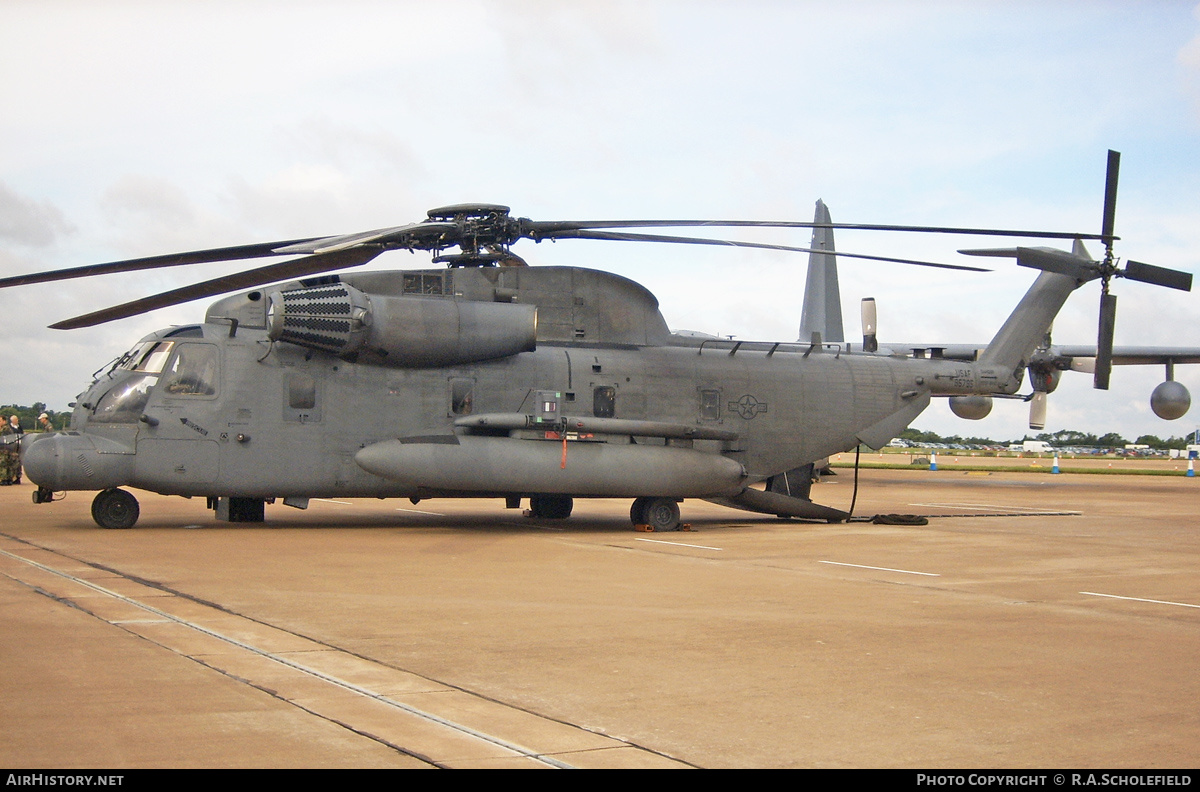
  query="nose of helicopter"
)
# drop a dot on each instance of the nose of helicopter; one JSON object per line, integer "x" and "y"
{"x": 68, "y": 461}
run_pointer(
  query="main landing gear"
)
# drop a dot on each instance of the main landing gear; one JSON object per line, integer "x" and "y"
{"x": 656, "y": 514}
{"x": 646, "y": 514}
{"x": 551, "y": 507}
{"x": 115, "y": 509}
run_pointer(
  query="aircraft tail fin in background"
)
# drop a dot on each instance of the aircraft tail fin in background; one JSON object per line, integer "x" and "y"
{"x": 822, "y": 311}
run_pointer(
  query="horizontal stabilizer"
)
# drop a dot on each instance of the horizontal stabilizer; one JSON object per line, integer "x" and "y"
{"x": 1046, "y": 259}
{"x": 1078, "y": 357}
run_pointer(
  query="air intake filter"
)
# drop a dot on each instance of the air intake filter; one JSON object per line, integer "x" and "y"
{"x": 331, "y": 318}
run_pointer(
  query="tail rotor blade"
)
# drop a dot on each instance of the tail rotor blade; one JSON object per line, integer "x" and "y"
{"x": 1104, "y": 342}
{"x": 1037, "y": 410}
{"x": 1110, "y": 198}
{"x": 1159, "y": 276}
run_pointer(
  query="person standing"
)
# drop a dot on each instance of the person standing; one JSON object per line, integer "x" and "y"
{"x": 10, "y": 452}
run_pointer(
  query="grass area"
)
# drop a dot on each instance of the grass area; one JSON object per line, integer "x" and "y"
{"x": 1030, "y": 468}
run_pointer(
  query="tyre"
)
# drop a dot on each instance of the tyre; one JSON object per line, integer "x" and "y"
{"x": 637, "y": 512}
{"x": 661, "y": 514}
{"x": 551, "y": 507}
{"x": 115, "y": 509}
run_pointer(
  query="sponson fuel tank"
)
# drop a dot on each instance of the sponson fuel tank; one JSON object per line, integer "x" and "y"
{"x": 506, "y": 465}
{"x": 404, "y": 331}
{"x": 74, "y": 461}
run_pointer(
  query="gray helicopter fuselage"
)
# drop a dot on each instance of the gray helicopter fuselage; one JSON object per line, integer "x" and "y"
{"x": 223, "y": 409}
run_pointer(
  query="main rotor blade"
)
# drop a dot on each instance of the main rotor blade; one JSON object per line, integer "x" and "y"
{"x": 396, "y": 234}
{"x": 547, "y": 229}
{"x": 235, "y": 253}
{"x": 286, "y": 270}
{"x": 1159, "y": 276}
{"x": 1104, "y": 341}
{"x": 1110, "y": 198}
{"x": 628, "y": 237}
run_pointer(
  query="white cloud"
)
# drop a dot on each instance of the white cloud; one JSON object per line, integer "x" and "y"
{"x": 1188, "y": 59}
{"x": 154, "y": 127}
{"x": 30, "y": 223}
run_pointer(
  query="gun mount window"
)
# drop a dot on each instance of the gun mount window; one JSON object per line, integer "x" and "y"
{"x": 462, "y": 396}
{"x": 604, "y": 401}
{"x": 300, "y": 394}
{"x": 192, "y": 372}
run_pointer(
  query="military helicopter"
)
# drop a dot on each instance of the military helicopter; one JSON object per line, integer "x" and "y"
{"x": 487, "y": 378}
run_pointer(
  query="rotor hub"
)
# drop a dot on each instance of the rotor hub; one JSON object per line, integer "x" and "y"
{"x": 483, "y": 232}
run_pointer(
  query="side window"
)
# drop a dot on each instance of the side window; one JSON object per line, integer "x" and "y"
{"x": 710, "y": 405}
{"x": 422, "y": 283}
{"x": 462, "y": 396}
{"x": 604, "y": 401}
{"x": 193, "y": 371}
{"x": 300, "y": 402}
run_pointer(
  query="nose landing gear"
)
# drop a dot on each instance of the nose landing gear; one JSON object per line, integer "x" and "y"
{"x": 115, "y": 509}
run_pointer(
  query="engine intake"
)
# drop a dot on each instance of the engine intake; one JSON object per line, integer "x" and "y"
{"x": 331, "y": 318}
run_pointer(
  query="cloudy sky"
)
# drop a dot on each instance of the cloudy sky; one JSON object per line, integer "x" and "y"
{"x": 139, "y": 128}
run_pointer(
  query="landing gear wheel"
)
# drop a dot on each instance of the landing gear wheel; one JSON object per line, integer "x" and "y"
{"x": 637, "y": 512}
{"x": 115, "y": 509}
{"x": 551, "y": 507}
{"x": 660, "y": 514}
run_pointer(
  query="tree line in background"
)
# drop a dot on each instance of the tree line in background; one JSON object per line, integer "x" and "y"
{"x": 28, "y": 416}
{"x": 1059, "y": 439}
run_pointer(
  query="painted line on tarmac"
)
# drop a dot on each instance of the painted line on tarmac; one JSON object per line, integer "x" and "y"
{"x": 500, "y": 742}
{"x": 989, "y": 511}
{"x": 329, "y": 500}
{"x": 418, "y": 511}
{"x": 677, "y": 544}
{"x": 1140, "y": 599}
{"x": 881, "y": 569}
{"x": 1031, "y": 511}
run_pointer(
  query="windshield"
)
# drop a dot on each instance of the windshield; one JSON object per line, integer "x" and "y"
{"x": 125, "y": 401}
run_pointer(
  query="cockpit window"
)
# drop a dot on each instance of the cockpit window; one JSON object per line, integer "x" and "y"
{"x": 124, "y": 402}
{"x": 149, "y": 356}
{"x": 192, "y": 372}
